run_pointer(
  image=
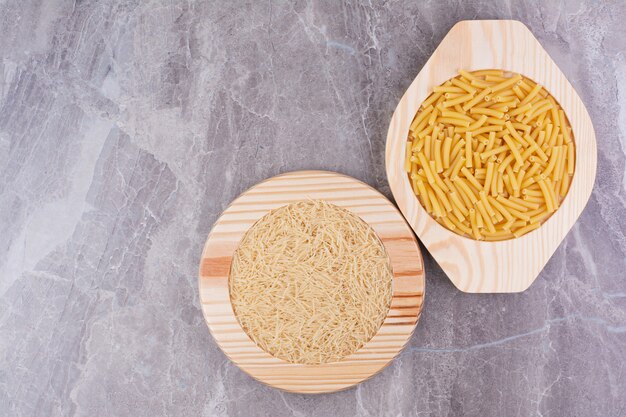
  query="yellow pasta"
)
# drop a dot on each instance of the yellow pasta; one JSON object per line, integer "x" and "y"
{"x": 477, "y": 161}
{"x": 500, "y": 183}
{"x": 456, "y": 201}
{"x": 488, "y": 176}
{"x": 564, "y": 185}
{"x": 485, "y": 217}
{"x": 514, "y": 151}
{"x": 480, "y": 83}
{"x": 433, "y": 169}
{"x": 496, "y": 72}
{"x": 530, "y": 192}
{"x": 441, "y": 183}
{"x": 457, "y": 167}
{"x": 560, "y": 166}
{"x": 456, "y": 115}
{"x": 483, "y": 197}
{"x": 447, "y": 89}
{"x": 528, "y": 204}
{"x": 519, "y": 214}
{"x": 527, "y": 85}
{"x": 430, "y": 100}
{"x": 500, "y": 235}
{"x": 474, "y": 224}
{"x": 510, "y": 203}
{"x": 447, "y": 223}
{"x": 478, "y": 123}
{"x": 554, "y": 157}
{"x": 541, "y": 209}
{"x": 437, "y": 156}
{"x": 494, "y": 78}
{"x": 426, "y": 167}
{"x": 479, "y": 98}
{"x": 469, "y": 75}
{"x": 551, "y": 141}
{"x": 436, "y": 130}
{"x": 504, "y": 163}
{"x": 442, "y": 197}
{"x": 471, "y": 178}
{"x": 466, "y": 200}
{"x": 519, "y": 179}
{"x": 539, "y": 217}
{"x": 468, "y": 149}
{"x": 525, "y": 229}
{"x": 505, "y": 104}
{"x": 533, "y": 199}
{"x": 541, "y": 108}
{"x": 424, "y": 196}
{"x": 465, "y": 86}
{"x": 454, "y": 121}
{"x": 528, "y": 183}
{"x": 419, "y": 117}
{"x": 531, "y": 95}
{"x": 536, "y": 148}
{"x": 484, "y": 129}
{"x": 494, "y": 180}
{"x": 491, "y": 141}
{"x": 462, "y": 185}
{"x": 547, "y": 195}
{"x": 570, "y": 158}
{"x": 518, "y": 92}
{"x": 540, "y": 134}
{"x": 494, "y": 121}
{"x": 407, "y": 157}
{"x": 490, "y": 155}
{"x": 457, "y": 213}
{"x": 513, "y": 179}
{"x": 427, "y": 129}
{"x": 445, "y": 152}
{"x": 462, "y": 226}
{"x": 552, "y": 191}
{"x": 433, "y": 116}
{"x": 520, "y": 126}
{"x": 428, "y": 141}
{"x": 506, "y": 83}
{"x": 457, "y": 100}
{"x": 502, "y": 209}
{"x": 430, "y": 195}
{"x": 563, "y": 122}
{"x": 418, "y": 144}
{"x": 495, "y": 151}
{"x": 456, "y": 148}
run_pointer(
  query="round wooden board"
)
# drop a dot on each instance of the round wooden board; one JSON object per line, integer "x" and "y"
{"x": 505, "y": 266}
{"x": 343, "y": 191}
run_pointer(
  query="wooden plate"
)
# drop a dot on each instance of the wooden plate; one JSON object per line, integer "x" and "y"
{"x": 478, "y": 266}
{"x": 343, "y": 191}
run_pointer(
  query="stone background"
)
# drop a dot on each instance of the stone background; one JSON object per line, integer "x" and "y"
{"x": 126, "y": 127}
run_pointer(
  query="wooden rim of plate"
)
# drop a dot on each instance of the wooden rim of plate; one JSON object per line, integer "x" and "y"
{"x": 375, "y": 210}
{"x": 509, "y": 265}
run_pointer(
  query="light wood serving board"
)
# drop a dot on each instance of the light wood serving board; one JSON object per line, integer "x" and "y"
{"x": 478, "y": 266}
{"x": 343, "y": 191}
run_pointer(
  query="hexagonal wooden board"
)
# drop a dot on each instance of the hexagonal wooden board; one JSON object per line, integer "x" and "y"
{"x": 343, "y": 191}
{"x": 479, "y": 266}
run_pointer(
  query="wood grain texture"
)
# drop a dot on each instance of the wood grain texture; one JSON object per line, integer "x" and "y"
{"x": 343, "y": 191}
{"x": 478, "y": 266}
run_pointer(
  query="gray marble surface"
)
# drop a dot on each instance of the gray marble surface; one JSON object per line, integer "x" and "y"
{"x": 126, "y": 127}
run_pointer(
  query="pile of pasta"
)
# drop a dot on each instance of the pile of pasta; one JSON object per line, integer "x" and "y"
{"x": 490, "y": 154}
{"x": 310, "y": 282}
